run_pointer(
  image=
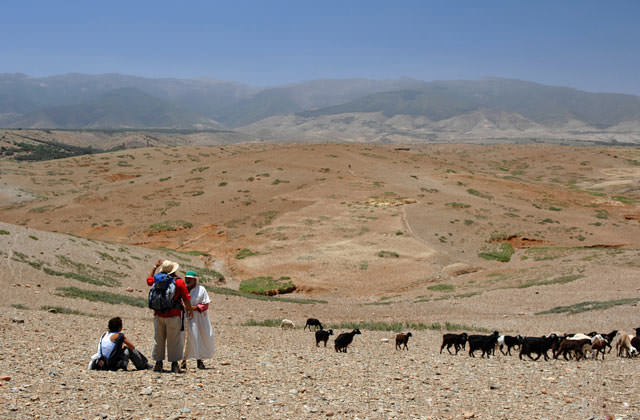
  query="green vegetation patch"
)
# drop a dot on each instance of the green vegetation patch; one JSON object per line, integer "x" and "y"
{"x": 589, "y": 306}
{"x": 103, "y": 281}
{"x": 244, "y": 253}
{"x": 101, "y": 296}
{"x": 441, "y": 287}
{"x": 169, "y": 225}
{"x": 558, "y": 280}
{"x": 388, "y": 254}
{"x": 4, "y": 232}
{"x": 231, "y": 292}
{"x": 404, "y": 326}
{"x": 479, "y": 194}
{"x": 456, "y": 205}
{"x": 263, "y": 323}
{"x": 502, "y": 253}
{"x": 62, "y": 310}
{"x": 267, "y": 285}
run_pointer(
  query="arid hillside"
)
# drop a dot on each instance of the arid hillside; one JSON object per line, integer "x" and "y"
{"x": 521, "y": 239}
{"x": 429, "y": 221}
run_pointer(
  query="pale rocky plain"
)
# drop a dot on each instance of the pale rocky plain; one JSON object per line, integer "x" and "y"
{"x": 370, "y": 235}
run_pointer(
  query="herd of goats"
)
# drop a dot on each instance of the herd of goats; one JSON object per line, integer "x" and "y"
{"x": 570, "y": 346}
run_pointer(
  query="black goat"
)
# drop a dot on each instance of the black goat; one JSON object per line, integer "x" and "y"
{"x": 538, "y": 345}
{"x": 323, "y": 335}
{"x": 317, "y": 325}
{"x": 344, "y": 339}
{"x": 402, "y": 340}
{"x": 509, "y": 341}
{"x": 486, "y": 343}
{"x": 456, "y": 340}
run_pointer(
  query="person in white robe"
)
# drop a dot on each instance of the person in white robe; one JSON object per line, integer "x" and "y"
{"x": 200, "y": 343}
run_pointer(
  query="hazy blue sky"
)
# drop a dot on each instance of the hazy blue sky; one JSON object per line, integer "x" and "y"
{"x": 591, "y": 45}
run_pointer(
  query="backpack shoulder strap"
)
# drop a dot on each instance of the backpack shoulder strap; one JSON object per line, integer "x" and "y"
{"x": 100, "y": 345}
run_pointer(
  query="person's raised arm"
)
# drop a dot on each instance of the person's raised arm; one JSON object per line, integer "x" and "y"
{"x": 128, "y": 343}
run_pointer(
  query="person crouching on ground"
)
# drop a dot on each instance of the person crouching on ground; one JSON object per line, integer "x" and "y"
{"x": 169, "y": 323}
{"x": 115, "y": 350}
{"x": 200, "y": 337}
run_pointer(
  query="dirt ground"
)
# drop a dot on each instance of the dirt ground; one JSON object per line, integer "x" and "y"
{"x": 374, "y": 233}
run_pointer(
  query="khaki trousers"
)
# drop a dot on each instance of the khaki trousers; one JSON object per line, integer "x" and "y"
{"x": 167, "y": 330}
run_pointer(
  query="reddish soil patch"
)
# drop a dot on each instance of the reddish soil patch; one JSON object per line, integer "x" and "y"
{"x": 119, "y": 177}
{"x": 520, "y": 242}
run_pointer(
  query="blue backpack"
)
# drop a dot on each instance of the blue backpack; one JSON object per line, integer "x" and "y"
{"x": 163, "y": 292}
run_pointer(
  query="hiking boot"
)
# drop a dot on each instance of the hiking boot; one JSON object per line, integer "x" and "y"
{"x": 201, "y": 364}
{"x": 183, "y": 365}
{"x": 175, "y": 367}
{"x": 158, "y": 366}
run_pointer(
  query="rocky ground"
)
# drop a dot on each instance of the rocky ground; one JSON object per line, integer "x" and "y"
{"x": 263, "y": 372}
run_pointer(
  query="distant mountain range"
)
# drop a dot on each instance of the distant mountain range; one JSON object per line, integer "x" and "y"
{"x": 385, "y": 107}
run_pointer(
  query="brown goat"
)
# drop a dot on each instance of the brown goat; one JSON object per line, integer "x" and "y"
{"x": 578, "y": 347}
{"x": 402, "y": 340}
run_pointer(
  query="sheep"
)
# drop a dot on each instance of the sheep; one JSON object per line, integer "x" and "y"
{"x": 624, "y": 345}
{"x": 323, "y": 335}
{"x": 317, "y": 325}
{"x": 343, "y": 340}
{"x": 486, "y": 343}
{"x": 538, "y": 345}
{"x": 402, "y": 339}
{"x": 287, "y": 323}
{"x": 457, "y": 340}
{"x": 578, "y": 347}
{"x": 509, "y": 341}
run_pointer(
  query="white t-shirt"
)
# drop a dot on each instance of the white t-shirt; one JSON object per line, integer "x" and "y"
{"x": 107, "y": 345}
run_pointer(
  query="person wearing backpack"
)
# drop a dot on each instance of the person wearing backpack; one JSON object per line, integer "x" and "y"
{"x": 169, "y": 298}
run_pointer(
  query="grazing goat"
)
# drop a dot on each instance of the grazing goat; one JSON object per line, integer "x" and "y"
{"x": 313, "y": 322}
{"x": 456, "y": 340}
{"x": 509, "y": 341}
{"x": 624, "y": 345}
{"x": 343, "y": 340}
{"x": 323, "y": 335}
{"x": 599, "y": 345}
{"x": 402, "y": 339}
{"x": 486, "y": 343}
{"x": 287, "y": 323}
{"x": 608, "y": 337}
{"x": 578, "y": 347}
{"x": 538, "y": 345}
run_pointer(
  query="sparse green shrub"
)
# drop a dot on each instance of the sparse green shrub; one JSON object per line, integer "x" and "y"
{"x": 455, "y": 205}
{"x": 267, "y": 285}
{"x": 441, "y": 287}
{"x": 231, "y": 292}
{"x": 479, "y": 194}
{"x": 222, "y": 184}
{"x": 169, "y": 225}
{"x": 263, "y": 323}
{"x": 4, "y": 232}
{"x": 244, "y": 253}
{"x": 61, "y": 310}
{"x": 100, "y": 296}
{"x": 589, "y": 306}
{"x": 502, "y": 253}
{"x": 387, "y": 254}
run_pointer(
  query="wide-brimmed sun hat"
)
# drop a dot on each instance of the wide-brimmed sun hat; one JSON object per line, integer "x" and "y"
{"x": 190, "y": 274}
{"x": 169, "y": 267}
